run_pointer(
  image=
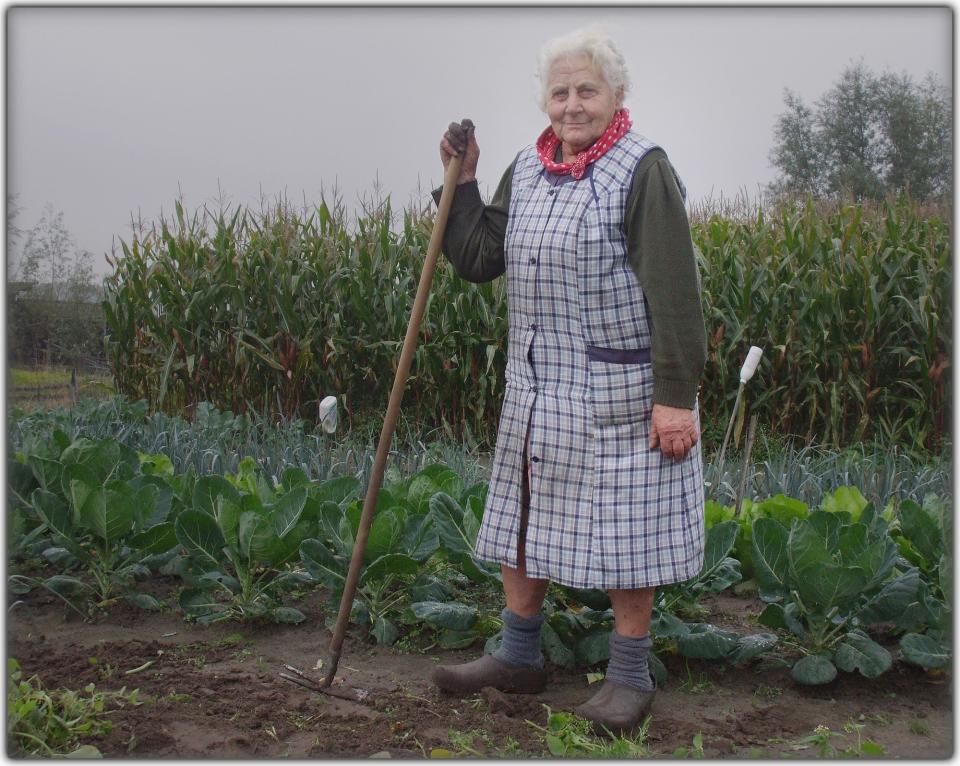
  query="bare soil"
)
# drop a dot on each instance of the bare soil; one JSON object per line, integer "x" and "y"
{"x": 215, "y": 692}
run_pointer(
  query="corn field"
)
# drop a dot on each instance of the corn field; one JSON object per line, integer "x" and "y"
{"x": 270, "y": 311}
{"x": 852, "y": 307}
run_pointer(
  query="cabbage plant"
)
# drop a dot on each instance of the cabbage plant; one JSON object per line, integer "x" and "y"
{"x": 429, "y": 513}
{"x": 827, "y": 578}
{"x": 238, "y": 544}
{"x": 104, "y": 519}
{"x": 782, "y": 508}
{"x": 923, "y": 534}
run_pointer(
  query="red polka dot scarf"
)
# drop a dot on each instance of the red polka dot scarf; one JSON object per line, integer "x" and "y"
{"x": 548, "y": 142}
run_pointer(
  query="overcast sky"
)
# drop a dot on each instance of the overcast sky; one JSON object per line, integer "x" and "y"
{"x": 118, "y": 110}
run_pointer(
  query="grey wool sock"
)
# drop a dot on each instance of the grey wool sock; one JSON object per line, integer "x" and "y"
{"x": 628, "y": 661}
{"x": 521, "y": 640}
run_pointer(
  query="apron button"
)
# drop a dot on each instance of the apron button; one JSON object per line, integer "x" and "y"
{"x": 534, "y": 389}
{"x": 534, "y": 460}
{"x": 533, "y": 326}
{"x": 533, "y": 259}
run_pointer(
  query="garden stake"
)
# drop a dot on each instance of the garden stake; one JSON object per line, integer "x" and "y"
{"x": 383, "y": 449}
{"x": 751, "y": 433}
{"x": 746, "y": 372}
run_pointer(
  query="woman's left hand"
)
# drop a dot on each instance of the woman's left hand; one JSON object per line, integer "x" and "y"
{"x": 674, "y": 430}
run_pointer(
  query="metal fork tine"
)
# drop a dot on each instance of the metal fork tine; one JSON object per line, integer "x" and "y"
{"x": 297, "y": 671}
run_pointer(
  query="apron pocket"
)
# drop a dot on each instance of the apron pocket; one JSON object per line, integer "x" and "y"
{"x": 620, "y": 392}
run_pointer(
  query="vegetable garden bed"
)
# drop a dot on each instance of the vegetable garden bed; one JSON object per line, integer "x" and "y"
{"x": 214, "y": 692}
{"x": 127, "y": 573}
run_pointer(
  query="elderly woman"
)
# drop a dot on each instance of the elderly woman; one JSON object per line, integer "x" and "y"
{"x": 597, "y": 475}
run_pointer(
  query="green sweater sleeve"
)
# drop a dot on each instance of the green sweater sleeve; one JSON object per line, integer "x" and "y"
{"x": 661, "y": 253}
{"x": 473, "y": 240}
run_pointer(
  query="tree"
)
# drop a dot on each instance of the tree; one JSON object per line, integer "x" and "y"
{"x": 58, "y": 313}
{"x": 14, "y": 233}
{"x": 848, "y": 129}
{"x": 51, "y": 260}
{"x": 46, "y": 253}
{"x": 917, "y": 144}
{"x": 795, "y": 149}
{"x": 866, "y": 136}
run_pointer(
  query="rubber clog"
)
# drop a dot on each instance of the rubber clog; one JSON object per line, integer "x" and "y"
{"x": 488, "y": 671}
{"x": 617, "y": 707}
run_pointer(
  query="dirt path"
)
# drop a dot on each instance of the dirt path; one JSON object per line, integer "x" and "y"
{"x": 216, "y": 693}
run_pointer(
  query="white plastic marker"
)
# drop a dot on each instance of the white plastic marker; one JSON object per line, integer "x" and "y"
{"x": 328, "y": 414}
{"x": 750, "y": 365}
{"x": 746, "y": 372}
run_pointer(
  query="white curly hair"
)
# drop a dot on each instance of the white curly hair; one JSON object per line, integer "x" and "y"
{"x": 596, "y": 44}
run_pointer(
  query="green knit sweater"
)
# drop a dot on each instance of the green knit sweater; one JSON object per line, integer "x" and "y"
{"x": 659, "y": 249}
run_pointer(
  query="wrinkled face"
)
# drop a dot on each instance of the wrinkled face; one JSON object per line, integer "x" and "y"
{"x": 580, "y": 104}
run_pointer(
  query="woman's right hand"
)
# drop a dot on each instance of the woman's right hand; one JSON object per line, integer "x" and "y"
{"x": 460, "y": 140}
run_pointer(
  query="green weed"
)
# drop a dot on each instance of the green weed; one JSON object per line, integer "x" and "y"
{"x": 863, "y": 747}
{"x": 700, "y": 685}
{"x": 820, "y": 740}
{"x": 49, "y": 723}
{"x": 694, "y": 751}
{"x": 569, "y": 736}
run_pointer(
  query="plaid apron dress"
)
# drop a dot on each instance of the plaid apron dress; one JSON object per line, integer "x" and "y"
{"x": 604, "y": 510}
